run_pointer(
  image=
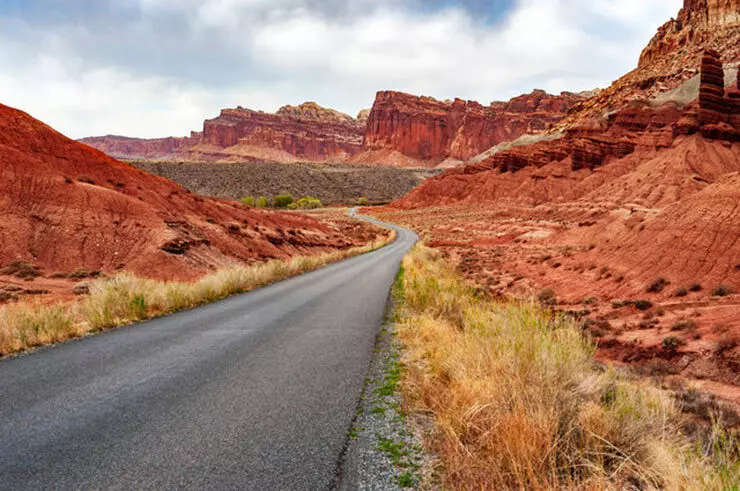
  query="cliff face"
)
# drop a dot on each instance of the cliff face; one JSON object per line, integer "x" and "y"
{"x": 307, "y": 132}
{"x": 139, "y": 148}
{"x": 294, "y": 133}
{"x": 672, "y": 59}
{"x": 429, "y": 130}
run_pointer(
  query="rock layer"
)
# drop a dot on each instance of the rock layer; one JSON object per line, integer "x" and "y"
{"x": 431, "y": 131}
{"x": 139, "y": 148}
{"x": 671, "y": 60}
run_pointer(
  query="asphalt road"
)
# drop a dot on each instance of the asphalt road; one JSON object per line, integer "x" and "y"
{"x": 255, "y": 392}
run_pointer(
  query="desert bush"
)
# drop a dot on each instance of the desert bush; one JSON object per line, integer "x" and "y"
{"x": 547, "y": 296}
{"x": 643, "y": 305}
{"x": 262, "y": 202}
{"x": 681, "y": 292}
{"x": 672, "y": 343}
{"x": 363, "y": 202}
{"x": 695, "y": 287}
{"x": 282, "y": 200}
{"x": 21, "y": 269}
{"x": 309, "y": 203}
{"x": 657, "y": 285}
{"x": 513, "y": 397}
{"x": 684, "y": 325}
{"x": 248, "y": 201}
{"x": 721, "y": 291}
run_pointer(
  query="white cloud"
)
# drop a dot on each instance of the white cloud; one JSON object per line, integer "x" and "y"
{"x": 265, "y": 53}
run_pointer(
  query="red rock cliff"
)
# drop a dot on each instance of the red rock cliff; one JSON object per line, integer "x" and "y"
{"x": 430, "y": 130}
{"x": 672, "y": 58}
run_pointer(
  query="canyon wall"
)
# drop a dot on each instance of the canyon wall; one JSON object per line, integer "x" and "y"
{"x": 432, "y": 131}
{"x": 140, "y": 148}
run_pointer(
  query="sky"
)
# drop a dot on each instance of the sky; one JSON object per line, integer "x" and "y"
{"x": 155, "y": 68}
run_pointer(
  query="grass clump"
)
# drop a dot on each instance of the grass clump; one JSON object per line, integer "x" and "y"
{"x": 515, "y": 400}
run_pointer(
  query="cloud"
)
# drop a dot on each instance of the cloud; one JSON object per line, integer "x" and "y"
{"x": 159, "y": 67}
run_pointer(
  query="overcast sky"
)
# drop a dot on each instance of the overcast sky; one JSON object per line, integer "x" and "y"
{"x": 151, "y": 68}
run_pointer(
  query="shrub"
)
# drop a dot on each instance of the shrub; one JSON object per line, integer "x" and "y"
{"x": 721, "y": 291}
{"x": 695, "y": 287}
{"x": 658, "y": 285}
{"x": 309, "y": 203}
{"x": 684, "y": 325}
{"x": 363, "y": 202}
{"x": 672, "y": 343}
{"x": 643, "y": 305}
{"x": 681, "y": 292}
{"x": 293, "y": 206}
{"x": 262, "y": 202}
{"x": 282, "y": 200}
{"x": 248, "y": 201}
{"x": 547, "y": 296}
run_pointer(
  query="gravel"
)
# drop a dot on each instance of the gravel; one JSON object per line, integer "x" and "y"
{"x": 383, "y": 453}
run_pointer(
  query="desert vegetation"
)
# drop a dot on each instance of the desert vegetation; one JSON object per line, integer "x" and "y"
{"x": 285, "y": 201}
{"x": 516, "y": 399}
{"x": 125, "y": 298}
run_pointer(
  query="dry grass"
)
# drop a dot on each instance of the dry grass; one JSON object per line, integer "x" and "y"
{"x": 124, "y": 298}
{"x": 516, "y": 401}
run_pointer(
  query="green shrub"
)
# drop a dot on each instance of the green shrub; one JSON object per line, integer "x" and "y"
{"x": 721, "y": 291}
{"x": 263, "y": 202}
{"x": 309, "y": 203}
{"x": 696, "y": 287}
{"x": 363, "y": 202}
{"x": 293, "y": 206}
{"x": 681, "y": 292}
{"x": 248, "y": 201}
{"x": 282, "y": 200}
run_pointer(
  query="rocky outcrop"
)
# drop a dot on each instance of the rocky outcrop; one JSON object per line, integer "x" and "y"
{"x": 310, "y": 111}
{"x": 671, "y": 62}
{"x": 138, "y": 148}
{"x": 432, "y": 131}
{"x": 711, "y": 89}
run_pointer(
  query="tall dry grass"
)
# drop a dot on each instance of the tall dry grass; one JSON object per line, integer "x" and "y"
{"x": 125, "y": 298}
{"x": 517, "y": 402}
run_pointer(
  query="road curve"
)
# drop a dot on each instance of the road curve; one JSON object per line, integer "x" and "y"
{"x": 254, "y": 392}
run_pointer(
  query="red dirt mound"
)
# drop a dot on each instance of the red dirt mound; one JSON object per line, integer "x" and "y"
{"x": 67, "y": 206}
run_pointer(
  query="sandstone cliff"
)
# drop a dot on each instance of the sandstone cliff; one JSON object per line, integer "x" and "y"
{"x": 307, "y": 132}
{"x": 672, "y": 59}
{"x": 429, "y": 131}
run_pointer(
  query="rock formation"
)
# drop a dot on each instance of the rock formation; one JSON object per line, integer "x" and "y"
{"x": 672, "y": 59}
{"x": 67, "y": 206}
{"x": 711, "y": 88}
{"x": 431, "y": 131}
{"x": 307, "y": 132}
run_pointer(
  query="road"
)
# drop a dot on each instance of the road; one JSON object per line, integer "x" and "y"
{"x": 254, "y": 392}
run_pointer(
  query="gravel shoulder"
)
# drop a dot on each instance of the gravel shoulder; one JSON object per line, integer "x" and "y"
{"x": 384, "y": 451}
